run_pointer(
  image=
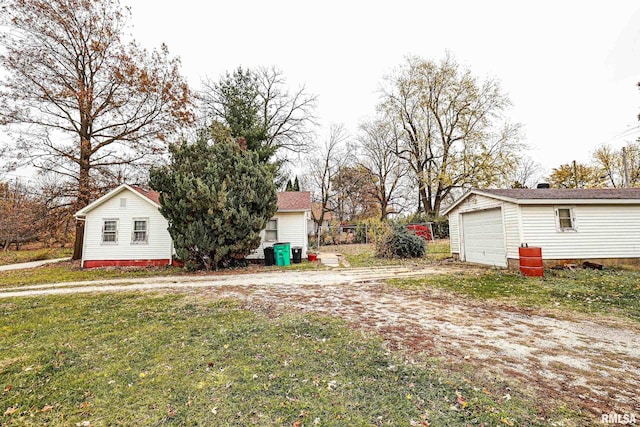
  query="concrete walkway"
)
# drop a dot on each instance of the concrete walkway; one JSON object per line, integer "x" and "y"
{"x": 329, "y": 259}
{"x": 333, "y": 260}
{"x": 31, "y": 264}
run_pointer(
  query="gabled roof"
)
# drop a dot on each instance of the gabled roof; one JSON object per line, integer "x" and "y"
{"x": 149, "y": 196}
{"x": 294, "y": 201}
{"x": 541, "y": 196}
{"x": 148, "y": 193}
{"x": 290, "y": 201}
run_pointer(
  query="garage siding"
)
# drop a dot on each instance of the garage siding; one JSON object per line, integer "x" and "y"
{"x": 511, "y": 213}
{"x": 602, "y": 231}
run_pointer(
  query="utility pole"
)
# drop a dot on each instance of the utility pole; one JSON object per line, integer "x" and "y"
{"x": 575, "y": 174}
{"x": 625, "y": 168}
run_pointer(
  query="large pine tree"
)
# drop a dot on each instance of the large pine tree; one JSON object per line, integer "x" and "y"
{"x": 217, "y": 198}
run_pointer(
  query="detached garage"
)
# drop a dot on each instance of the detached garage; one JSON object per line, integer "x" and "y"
{"x": 599, "y": 225}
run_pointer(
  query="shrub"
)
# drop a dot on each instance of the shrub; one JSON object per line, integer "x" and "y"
{"x": 398, "y": 242}
{"x": 217, "y": 198}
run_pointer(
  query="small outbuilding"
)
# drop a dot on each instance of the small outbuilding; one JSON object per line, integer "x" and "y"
{"x": 597, "y": 225}
{"x": 125, "y": 228}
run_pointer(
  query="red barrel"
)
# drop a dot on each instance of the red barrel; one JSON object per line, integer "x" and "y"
{"x": 531, "y": 261}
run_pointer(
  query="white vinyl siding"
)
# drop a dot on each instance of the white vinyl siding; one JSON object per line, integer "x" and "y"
{"x": 511, "y": 215}
{"x": 158, "y": 239}
{"x": 602, "y": 231}
{"x": 292, "y": 228}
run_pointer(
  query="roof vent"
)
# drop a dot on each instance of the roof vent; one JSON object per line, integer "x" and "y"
{"x": 543, "y": 185}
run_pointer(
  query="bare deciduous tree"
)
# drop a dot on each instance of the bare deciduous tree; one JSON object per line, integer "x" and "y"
{"x": 82, "y": 99}
{"x": 378, "y": 141}
{"x": 526, "y": 174}
{"x": 453, "y": 131}
{"x": 323, "y": 167}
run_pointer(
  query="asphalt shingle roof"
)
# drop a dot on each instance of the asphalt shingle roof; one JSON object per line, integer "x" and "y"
{"x": 287, "y": 201}
{"x": 294, "y": 201}
{"x": 150, "y": 194}
{"x": 567, "y": 193}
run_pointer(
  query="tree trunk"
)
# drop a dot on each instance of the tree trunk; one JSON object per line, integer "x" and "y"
{"x": 84, "y": 195}
{"x": 383, "y": 210}
{"x": 426, "y": 203}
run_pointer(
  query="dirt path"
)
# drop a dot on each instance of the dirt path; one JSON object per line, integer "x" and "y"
{"x": 585, "y": 363}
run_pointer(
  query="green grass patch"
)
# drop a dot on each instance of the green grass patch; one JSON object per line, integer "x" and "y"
{"x": 71, "y": 272}
{"x": 133, "y": 359}
{"x": 16, "y": 257}
{"x": 365, "y": 255}
{"x": 615, "y": 292}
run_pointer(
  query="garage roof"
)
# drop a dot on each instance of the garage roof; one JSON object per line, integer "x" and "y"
{"x": 541, "y": 196}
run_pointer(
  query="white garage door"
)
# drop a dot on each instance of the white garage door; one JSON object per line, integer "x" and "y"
{"x": 483, "y": 237}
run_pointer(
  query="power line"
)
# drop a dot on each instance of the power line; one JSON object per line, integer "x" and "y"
{"x": 624, "y": 133}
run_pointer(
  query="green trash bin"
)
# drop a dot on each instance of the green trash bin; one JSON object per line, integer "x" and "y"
{"x": 282, "y": 252}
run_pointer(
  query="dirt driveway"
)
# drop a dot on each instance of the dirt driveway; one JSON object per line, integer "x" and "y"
{"x": 592, "y": 364}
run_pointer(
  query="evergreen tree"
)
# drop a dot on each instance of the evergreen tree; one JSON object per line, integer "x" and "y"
{"x": 216, "y": 197}
{"x": 296, "y": 185}
{"x": 289, "y": 186}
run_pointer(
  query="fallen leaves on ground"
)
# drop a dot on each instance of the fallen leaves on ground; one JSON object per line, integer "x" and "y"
{"x": 10, "y": 410}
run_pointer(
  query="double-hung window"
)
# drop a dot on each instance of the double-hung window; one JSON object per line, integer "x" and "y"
{"x": 110, "y": 231}
{"x": 566, "y": 219}
{"x": 140, "y": 231}
{"x": 271, "y": 231}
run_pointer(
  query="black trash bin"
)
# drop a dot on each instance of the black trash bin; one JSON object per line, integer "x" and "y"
{"x": 297, "y": 254}
{"x": 269, "y": 256}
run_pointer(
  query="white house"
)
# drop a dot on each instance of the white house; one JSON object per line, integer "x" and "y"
{"x": 290, "y": 223}
{"x": 599, "y": 225}
{"x": 125, "y": 228}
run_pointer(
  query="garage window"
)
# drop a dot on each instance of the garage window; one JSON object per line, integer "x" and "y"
{"x": 566, "y": 219}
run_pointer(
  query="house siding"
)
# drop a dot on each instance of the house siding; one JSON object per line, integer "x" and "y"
{"x": 158, "y": 246}
{"x": 602, "y": 231}
{"x": 292, "y": 228}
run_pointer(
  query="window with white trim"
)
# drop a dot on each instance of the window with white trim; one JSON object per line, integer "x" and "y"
{"x": 140, "y": 232}
{"x": 110, "y": 231}
{"x": 566, "y": 219}
{"x": 271, "y": 231}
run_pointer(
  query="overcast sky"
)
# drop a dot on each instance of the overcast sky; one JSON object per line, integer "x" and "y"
{"x": 569, "y": 67}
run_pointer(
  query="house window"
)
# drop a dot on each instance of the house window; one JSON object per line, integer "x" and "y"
{"x": 110, "y": 231}
{"x": 140, "y": 230}
{"x": 271, "y": 231}
{"x": 566, "y": 220}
